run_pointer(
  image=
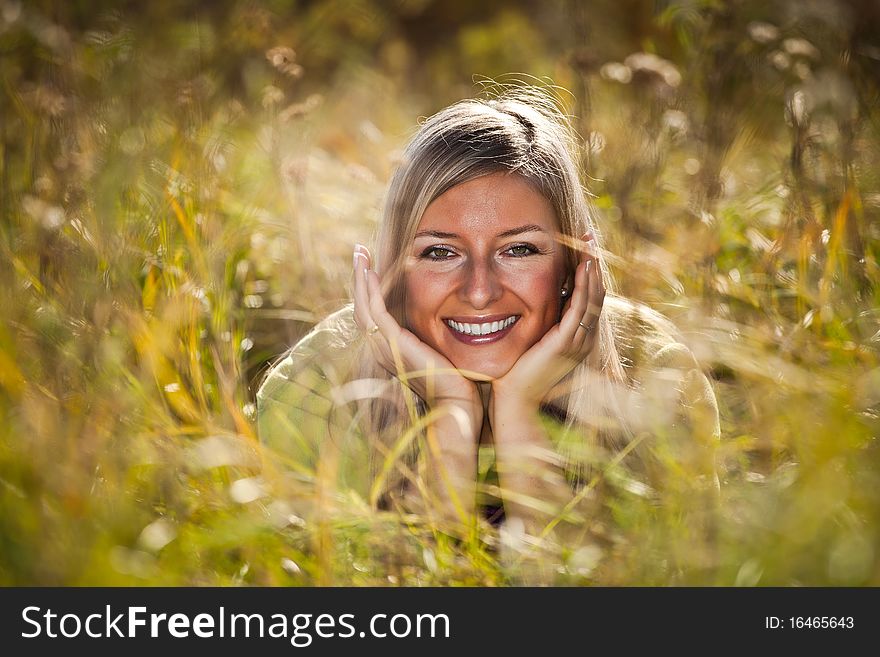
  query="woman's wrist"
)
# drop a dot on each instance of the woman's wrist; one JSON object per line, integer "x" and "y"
{"x": 462, "y": 408}
{"x": 466, "y": 398}
{"x": 515, "y": 420}
{"x": 506, "y": 399}
{"x": 465, "y": 406}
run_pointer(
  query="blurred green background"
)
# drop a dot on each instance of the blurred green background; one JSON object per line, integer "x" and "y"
{"x": 181, "y": 185}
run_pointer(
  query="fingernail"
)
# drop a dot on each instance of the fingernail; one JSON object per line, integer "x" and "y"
{"x": 587, "y": 266}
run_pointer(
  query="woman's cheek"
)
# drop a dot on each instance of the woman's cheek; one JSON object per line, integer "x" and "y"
{"x": 428, "y": 288}
{"x": 541, "y": 288}
{"x": 425, "y": 293}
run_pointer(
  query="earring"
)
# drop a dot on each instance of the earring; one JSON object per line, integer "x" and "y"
{"x": 564, "y": 292}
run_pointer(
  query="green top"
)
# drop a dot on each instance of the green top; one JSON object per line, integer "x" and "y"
{"x": 303, "y": 414}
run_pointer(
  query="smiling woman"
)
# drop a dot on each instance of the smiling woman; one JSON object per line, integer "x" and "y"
{"x": 485, "y": 270}
{"x": 485, "y": 369}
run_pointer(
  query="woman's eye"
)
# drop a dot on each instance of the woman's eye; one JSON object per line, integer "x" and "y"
{"x": 437, "y": 253}
{"x": 520, "y": 250}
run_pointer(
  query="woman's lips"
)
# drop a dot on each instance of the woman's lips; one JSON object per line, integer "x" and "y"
{"x": 475, "y": 335}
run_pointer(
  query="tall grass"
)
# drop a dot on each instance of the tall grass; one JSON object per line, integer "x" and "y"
{"x": 180, "y": 195}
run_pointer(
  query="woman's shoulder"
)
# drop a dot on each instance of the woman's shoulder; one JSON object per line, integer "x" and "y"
{"x": 325, "y": 351}
{"x": 645, "y": 338}
{"x": 298, "y": 414}
{"x": 662, "y": 366}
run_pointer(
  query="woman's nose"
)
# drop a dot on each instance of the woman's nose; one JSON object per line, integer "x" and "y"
{"x": 482, "y": 285}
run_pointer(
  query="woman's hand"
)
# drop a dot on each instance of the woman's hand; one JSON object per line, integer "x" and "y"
{"x": 565, "y": 345}
{"x": 426, "y": 372}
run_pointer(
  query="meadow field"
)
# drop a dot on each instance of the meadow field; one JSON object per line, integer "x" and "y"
{"x": 181, "y": 186}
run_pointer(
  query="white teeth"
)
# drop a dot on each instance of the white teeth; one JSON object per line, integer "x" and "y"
{"x": 481, "y": 329}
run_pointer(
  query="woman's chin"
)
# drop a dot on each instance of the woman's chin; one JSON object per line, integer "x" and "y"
{"x": 483, "y": 371}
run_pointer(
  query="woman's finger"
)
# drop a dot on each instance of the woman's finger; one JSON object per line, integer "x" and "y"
{"x": 579, "y": 299}
{"x": 361, "y": 261}
{"x": 362, "y": 308}
{"x": 589, "y": 322}
{"x": 388, "y": 326}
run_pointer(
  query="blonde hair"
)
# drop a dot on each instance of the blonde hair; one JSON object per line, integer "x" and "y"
{"x": 521, "y": 131}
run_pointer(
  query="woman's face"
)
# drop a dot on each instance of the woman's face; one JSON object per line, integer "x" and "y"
{"x": 484, "y": 273}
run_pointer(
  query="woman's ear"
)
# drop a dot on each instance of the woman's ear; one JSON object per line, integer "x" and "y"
{"x": 567, "y": 287}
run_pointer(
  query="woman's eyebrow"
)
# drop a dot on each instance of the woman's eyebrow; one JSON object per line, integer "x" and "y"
{"x": 436, "y": 233}
{"x": 528, "y": 228}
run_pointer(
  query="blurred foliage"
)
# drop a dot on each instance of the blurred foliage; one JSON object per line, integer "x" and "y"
{"x": 181, "y": 185}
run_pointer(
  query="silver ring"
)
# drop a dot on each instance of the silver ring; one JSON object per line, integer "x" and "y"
{"x": 586, "y": 328}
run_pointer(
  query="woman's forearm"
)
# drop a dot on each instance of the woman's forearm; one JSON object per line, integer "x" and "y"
{"x": 451, "y": 459}
{"x": 530, "y": 474}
